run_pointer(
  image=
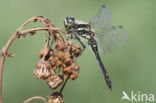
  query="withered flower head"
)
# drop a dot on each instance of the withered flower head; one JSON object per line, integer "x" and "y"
{"x": 47, "y": 52}
{"x": 75, "y": 72}
{"x": 76, "y": 50}
{"x": 61, "y": 46}
{"x": 55, "y": 61}
{"x": 42, "y": 52}
{"x": 42, "y": 70}
{"x": 54, "y": 81}
{"x": 62, "y": 56}
{"x": 56, "y": 97}
{"x": 72, "y": 71}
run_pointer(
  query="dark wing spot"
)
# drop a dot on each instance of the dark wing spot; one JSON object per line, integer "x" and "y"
{"x": 113, "y": 27}
{"x": 120, "y": 26}
{"x": 103, "y": 6}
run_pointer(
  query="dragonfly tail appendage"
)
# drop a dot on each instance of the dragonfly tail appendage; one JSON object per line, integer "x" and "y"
{"x": 93, "y": 45}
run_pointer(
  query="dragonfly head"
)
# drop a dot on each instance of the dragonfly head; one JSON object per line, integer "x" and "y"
{"x": 69, "y": 22}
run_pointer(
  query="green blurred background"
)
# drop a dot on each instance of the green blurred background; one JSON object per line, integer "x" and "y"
{"x": 131, "y": 68}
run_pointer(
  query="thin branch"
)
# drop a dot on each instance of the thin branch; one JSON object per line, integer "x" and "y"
{"x": 4, "y": 53}
{"x": 64, "y": 84}
{"x": 33, "y": 19}
{"x": 36, "y": 97}
{"x": 24, "y": 32}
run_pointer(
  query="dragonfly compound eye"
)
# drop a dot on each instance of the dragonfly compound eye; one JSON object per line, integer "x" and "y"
{"x": 70, "y": 21}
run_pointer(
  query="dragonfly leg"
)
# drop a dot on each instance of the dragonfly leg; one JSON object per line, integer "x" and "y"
{"x": 71, "y": 36}
{"x": 94, "y": 48}
{"x": 84, "y": 47}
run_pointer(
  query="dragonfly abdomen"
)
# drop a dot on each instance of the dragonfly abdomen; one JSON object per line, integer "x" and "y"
{"x": 94, "y": 48}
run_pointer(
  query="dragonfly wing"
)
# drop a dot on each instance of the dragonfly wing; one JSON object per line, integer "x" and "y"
{"x": 111, "y": 39}
{"x": 108, "y": 38}
{"x": 80, "y": 22}
{"x": 103, "y": 19}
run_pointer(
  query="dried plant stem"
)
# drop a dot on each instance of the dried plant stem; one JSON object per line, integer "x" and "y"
{"x": 25, "y": 32}
{"x": 36, "y": 97}
{"x": 64, "y": 84}
{"x": 3, "y": 55}
{"x": 47, "y": 26}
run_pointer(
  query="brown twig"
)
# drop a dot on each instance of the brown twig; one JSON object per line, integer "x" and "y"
{"x": 25, "y": 32}
{"x": 47, "y": 25}
{"x": 4, "y": 53}
{"x": 36, "y": 97}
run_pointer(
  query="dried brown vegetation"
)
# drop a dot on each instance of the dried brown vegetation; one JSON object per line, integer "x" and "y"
{"x": 58, "y": 54}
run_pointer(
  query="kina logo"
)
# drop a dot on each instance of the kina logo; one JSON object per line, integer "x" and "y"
{"x": 137, "y": 96}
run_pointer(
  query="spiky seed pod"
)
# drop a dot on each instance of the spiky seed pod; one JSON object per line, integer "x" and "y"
{"x": 54, "y": 81}
{"x": 41, "y": 70}
{"x": 56, "y": 97}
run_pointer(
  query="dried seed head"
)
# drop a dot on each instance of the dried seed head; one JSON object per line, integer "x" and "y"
{"x": 60, "y": 59}
{"x": 47, "y": 52}
{"x": 42, "y": 70}
{"x": 76, "y": 50}
{"x": 75, "y": 73}
{"x": 54, "y": 81}
{"x": 53, "y": 60}
{"x": 56, "y": 98}
{"x": 66, "y": 57}
{"x": 71, "y": 71}
{"x": 60, "y": 46}
{"x": 63, "y": 56}
{"x": 67, "y": 63}
{"x": 41, "y": 53}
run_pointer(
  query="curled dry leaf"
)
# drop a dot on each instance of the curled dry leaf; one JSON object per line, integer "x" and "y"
{"x": 9, "y": 54}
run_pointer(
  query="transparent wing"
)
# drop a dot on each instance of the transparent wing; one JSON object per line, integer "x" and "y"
{"x": 110, "y": 40}
{"x": 80, "y": 22}
{"x": 102, "y": 20}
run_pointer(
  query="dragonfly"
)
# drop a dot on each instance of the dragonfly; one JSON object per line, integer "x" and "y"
{"x": 101, "y": 36}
